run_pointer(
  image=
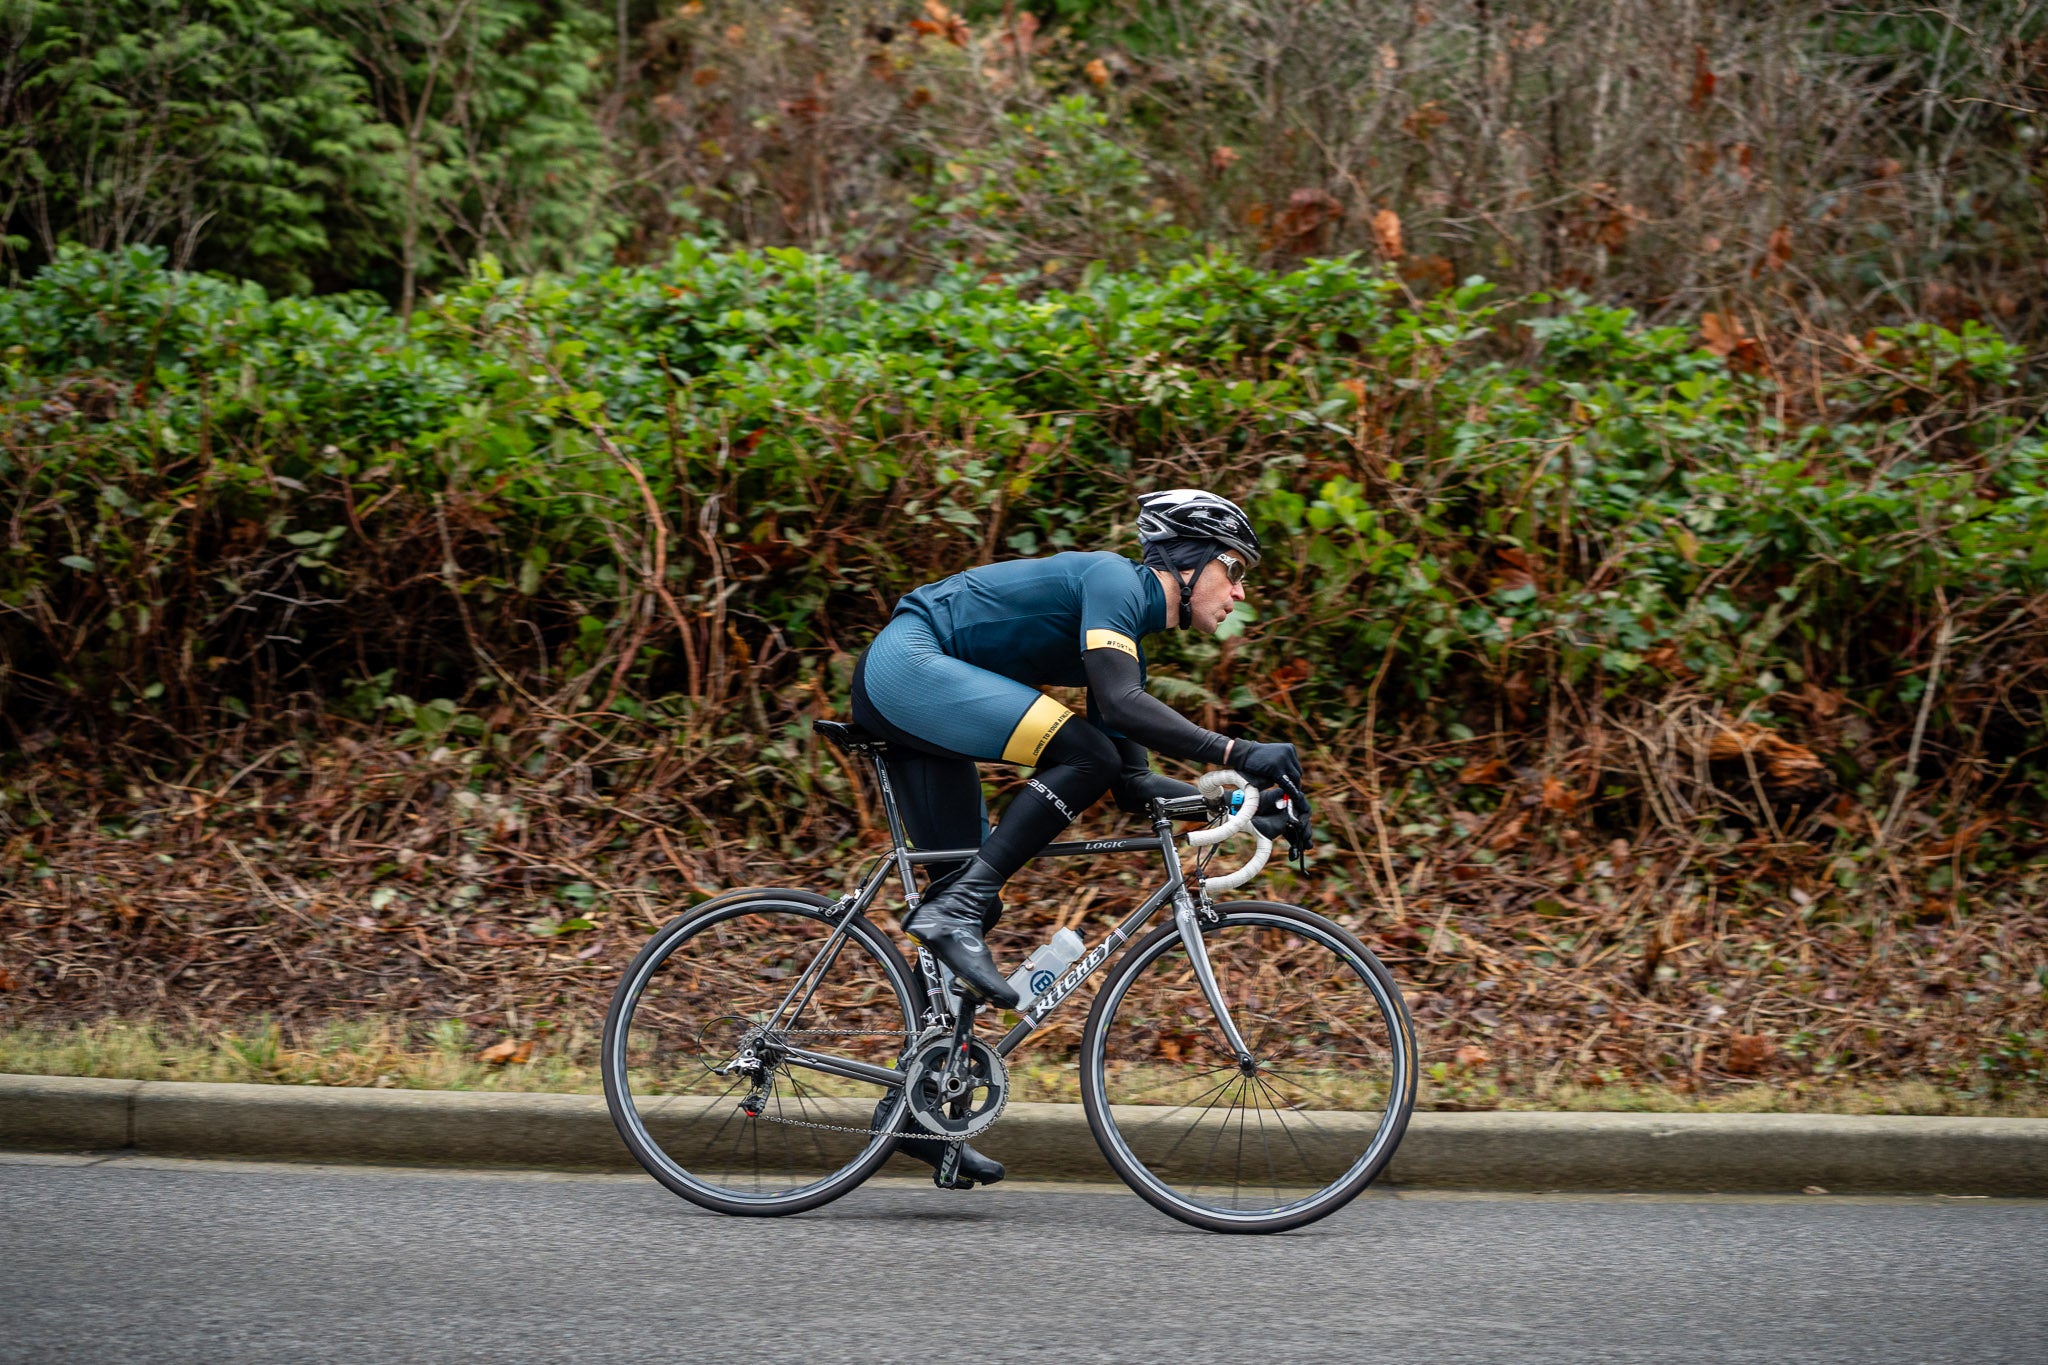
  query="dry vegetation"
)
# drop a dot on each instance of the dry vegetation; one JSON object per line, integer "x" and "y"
{"x": 350, "y": 877}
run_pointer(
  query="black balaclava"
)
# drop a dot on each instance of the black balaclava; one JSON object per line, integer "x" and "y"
{"x": 1184, "y": 557}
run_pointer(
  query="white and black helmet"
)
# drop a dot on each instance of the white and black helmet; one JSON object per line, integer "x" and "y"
{"x": 1191, "y": 514}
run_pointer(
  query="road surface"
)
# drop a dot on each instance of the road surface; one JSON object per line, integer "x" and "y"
{"x": 135, "y": 1259}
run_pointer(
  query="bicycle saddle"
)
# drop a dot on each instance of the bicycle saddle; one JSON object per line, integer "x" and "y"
{"x": 846, "y": 735}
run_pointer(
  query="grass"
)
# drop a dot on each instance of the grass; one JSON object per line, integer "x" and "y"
{"x": 385, "y": 1053}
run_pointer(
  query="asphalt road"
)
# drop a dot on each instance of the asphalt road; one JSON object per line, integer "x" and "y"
{"x": 150, "y": 1260}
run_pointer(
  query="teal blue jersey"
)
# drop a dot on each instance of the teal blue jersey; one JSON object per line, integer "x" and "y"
{"x": 1031, "y": 620}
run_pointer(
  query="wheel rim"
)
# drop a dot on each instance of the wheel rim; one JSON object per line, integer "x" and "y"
{"x": 702, "y": 1002}
{"x": 1313, "y": 1119}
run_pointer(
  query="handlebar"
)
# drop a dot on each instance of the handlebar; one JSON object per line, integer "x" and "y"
{"x": 1214, "y": 786}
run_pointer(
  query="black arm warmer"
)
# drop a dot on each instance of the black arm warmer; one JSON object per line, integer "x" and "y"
{"x": 1118, "y": 691}
{"x": 1136, "y": 783}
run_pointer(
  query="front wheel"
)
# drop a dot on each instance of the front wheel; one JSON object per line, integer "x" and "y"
{"x": 1289, "y": 1138}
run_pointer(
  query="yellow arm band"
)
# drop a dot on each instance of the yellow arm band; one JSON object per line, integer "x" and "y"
{"x": 1109, "y": 639}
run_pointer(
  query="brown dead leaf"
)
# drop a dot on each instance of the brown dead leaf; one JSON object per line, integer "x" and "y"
{"x": 942, "y": 23}
{"x": 1309, "y": 210}
{"x": 1428, "y": 274}
{"x": 1021, "y": 37}
{"x": 1946, "y": 846}
{"x": 1703, "y": 80}
{"x": 1747, "y": 1054}
{"x": 1097, "y": 72}
{"x": 1558, "y": 797}
{"x": 1292, "y": 674}
{"x": 1721, "y": 333}
{"x": 1510, "y": 578}
{"x": 1779, "y": 253}
{"x": 1425, "y": 119}
{"x": 1510, "y": 834}
{"x": 1386, "y": 233}
{"x": 1725, "y": 336}
{"x": 507, "y": 1053}
{"x": 1518, "y": 690}
{"x": 1222, "y": 159}
{"x": 8, "y": 980}
{"x": 1665, "y": 659}
{"x": 1484, "y": 772}
{"x": 1819, "y": 702}
{"x": 1783, "y": 766}
{"x": 1470, "y": 1056}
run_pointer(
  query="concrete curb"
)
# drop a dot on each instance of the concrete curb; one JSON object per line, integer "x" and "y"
{"x": 1759, "y": 1153}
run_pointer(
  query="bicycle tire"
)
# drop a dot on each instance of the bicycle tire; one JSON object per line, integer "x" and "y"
{"x": 1129, "y": 1152}
{"x": 619, "y": 1045}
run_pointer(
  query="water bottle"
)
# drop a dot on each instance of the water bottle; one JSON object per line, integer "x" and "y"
{"x": 1043, "y": 967}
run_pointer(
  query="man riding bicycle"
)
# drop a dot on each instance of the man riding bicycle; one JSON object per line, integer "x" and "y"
{"x": 953, "y": 681}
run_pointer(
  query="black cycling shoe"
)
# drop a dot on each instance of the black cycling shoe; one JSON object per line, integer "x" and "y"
{"x": 975, "y": 1169}
{"x": 950, "y": 925}
{"x": 992, "y": 913}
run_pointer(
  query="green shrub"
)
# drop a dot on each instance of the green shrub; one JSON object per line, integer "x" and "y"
{"x": 664, "y": 488}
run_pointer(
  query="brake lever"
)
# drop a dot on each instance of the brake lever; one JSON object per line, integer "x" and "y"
{"x": 1300, "y": 833}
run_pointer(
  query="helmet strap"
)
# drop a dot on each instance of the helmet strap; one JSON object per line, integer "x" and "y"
{"x": 1187, "y": 592}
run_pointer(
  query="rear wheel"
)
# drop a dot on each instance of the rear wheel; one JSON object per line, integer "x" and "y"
{"x": 1292, "y": 1136}
{"x": 698, "y": 1033}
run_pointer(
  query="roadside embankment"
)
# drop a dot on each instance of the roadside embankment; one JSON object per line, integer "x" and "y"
{"x": 1579, "y": 1151}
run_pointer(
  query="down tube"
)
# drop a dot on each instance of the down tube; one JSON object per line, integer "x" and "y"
{"x": 1090, "y": 962}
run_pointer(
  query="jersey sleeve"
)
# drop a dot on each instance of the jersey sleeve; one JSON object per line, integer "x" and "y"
{"x": 1112, "y": 608}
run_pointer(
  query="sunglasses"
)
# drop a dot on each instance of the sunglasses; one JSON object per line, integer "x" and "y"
{"x": 1233, "y": 568}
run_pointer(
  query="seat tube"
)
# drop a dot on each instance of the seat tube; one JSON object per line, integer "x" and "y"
{"x": 1187, "y": 919}
{"x": 896, "y": 834}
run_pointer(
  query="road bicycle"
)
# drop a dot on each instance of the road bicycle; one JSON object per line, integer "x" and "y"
{"x": 1247, "y": 1066}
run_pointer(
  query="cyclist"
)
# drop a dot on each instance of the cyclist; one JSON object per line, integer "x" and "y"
{"x": 952, "y": 681}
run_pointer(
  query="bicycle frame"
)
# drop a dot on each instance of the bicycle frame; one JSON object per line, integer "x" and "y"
{"x": 903, "y": 860}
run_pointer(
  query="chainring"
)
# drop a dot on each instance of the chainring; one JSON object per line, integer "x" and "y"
{"x": 965, "y": 1113}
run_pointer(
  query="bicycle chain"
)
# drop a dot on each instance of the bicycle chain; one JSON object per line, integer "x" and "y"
{"x": 763, "y": 1116}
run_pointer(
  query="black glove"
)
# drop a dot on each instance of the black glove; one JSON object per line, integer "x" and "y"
{"x": 1137, "y": 784}
{"x": 1266, "y": 764}
{"x": 1272, "y": 820}
{"x": 1290, "y": 821}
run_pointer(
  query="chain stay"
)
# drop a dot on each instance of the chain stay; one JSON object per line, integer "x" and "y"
{"x": 870, "y": 1131}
